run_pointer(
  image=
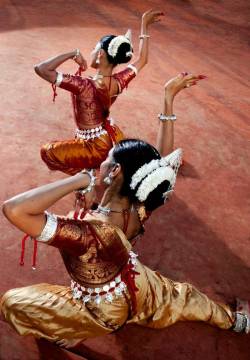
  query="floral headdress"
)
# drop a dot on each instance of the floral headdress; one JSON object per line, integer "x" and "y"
{"x": 117, "y": 41}
{"x": 152, "y": 174}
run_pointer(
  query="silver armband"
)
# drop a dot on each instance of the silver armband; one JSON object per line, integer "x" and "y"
{"x": 59, "y": 79}
{"x": 49, "y": 229}
{"x": 163, "y": 117}
{"x": 132, "y": 67}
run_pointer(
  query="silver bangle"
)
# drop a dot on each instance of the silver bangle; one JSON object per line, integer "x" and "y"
{"x": 144, "y": 36}
{"x": 76, "y": 54}
{"x": 163, "y": 117}
{"x": 91, "y": 183}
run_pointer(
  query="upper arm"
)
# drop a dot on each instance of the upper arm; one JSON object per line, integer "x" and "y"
{"x": 125, "y": 76}
{"x": 138, "y": 64}
{"x": 30, "y": 224}
{"x": 49, "y": 76}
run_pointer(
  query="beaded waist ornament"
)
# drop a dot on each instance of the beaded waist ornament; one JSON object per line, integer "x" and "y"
{"x": 107, "y": 293}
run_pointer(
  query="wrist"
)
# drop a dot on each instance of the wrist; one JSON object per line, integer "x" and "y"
{"x": 76, "y": 53}
{"x": 87, "y": 181}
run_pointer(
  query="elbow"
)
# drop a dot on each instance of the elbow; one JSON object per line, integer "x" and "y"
{"x": 38, "y": 69}
{"x": 10, "y": 210}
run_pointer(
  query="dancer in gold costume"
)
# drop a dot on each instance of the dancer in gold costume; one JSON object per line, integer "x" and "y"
{"x": 110, "y": 287}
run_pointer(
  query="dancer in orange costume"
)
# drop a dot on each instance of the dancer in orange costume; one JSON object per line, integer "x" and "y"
{"x": 92, "y": 98}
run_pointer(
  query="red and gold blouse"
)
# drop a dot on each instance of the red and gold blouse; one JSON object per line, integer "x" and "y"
{"x": 92, "y": 103}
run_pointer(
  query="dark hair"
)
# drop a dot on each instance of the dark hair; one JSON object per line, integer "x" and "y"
{"x": 121, "y": 57}
{"x": 131, "y": 154}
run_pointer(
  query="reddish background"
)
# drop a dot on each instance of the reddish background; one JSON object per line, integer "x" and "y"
{"x": 202, "y": 236}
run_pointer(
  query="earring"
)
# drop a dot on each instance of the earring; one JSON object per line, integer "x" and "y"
{"x": 97, "y": 61}
{"x": 108, "y": 180}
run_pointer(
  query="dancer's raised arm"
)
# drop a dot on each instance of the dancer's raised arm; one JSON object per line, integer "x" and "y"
{"x": 47, "y": 69}
{"x": 26, "y": 210}
{"x": 148, "y": 18}
{"x": 165, "y": 137}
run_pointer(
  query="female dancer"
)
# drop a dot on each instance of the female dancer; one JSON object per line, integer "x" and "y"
{"x": 92, "y": 98}
{"x": 110, "y": 287}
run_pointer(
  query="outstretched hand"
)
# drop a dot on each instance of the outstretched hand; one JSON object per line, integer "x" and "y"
{"x": 180, "y": 82}
{"x": 151, "y": 17}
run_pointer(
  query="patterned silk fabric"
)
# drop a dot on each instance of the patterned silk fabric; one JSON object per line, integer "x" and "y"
{"x": 51, "y": 311}
{"x": 92, "y": 102}
{"x": 87, "y": 248}
{"x": 91, "y": 107}
{"x": 71, "y": 156}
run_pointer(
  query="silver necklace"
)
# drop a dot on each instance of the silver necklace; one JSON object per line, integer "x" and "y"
{"x": 106, "y": 211}
{"x": 100, "y": 76}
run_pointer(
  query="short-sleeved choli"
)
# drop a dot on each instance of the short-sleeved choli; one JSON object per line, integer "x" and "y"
{"x": 93, "y": 251}
{"x": 125, "y": 76}
{"x": 72, "y": 83}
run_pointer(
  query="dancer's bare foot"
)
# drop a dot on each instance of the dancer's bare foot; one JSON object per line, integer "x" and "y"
{"x": 68, "y": 343}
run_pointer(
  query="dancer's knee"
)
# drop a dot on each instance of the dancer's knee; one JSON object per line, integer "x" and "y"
{"x": 7, "y": 302}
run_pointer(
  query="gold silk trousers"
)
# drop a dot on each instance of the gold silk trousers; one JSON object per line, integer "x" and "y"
{"x": 51, "y": 312}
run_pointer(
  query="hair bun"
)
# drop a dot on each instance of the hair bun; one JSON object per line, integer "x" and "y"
{"x": 118, "y": 48}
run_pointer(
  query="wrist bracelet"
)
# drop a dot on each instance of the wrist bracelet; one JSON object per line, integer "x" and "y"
{"x": 91, "y": 184}
{"x": 163, "y": 117}
{"x": 144, "y": 36}
{"x": 76, "y": 54}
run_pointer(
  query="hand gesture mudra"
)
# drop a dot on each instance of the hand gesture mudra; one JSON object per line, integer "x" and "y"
{"x": 152, "y": 16}
{"x": 180, "y": 82}
{"x": 79, "y": 59}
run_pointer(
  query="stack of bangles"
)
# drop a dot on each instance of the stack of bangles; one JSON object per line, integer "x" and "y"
{"x": 91, "y": 184}
{"x": 163, "y": 117}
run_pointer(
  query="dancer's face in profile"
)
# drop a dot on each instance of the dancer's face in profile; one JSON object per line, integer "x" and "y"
{"x": 107, "y": 166}
{"x": 94, "y": 56}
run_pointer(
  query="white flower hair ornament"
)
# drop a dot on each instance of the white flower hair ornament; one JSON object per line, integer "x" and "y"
{"x": 152, "y": 174}
{"x": 116, "y": 43}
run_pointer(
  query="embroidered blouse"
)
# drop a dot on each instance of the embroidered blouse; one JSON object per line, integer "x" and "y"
{"x": 91, "y": 103}
{"x": 87, "y": 248}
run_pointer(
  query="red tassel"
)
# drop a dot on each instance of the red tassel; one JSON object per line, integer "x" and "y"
{"x": 54, "y": 92}
{"x": 34, "y": 255}
{"x": 110, "y": 130}
{"x": 128, "y": 276}
{"x": 26, "y": 236}
{"x": 23, "y": 249}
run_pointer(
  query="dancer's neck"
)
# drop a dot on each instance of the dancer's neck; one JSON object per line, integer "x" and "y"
{"x": 104, "y": 70}
{"x": 114, "y": 201}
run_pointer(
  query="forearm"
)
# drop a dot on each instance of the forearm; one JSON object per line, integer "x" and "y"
{"x": 26, "y": 210}
{"x": 143, "y": 48}
{"x": 37, "y": 200}
{"x": 165, "y": 136}
{"x": 47, "y": 68}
